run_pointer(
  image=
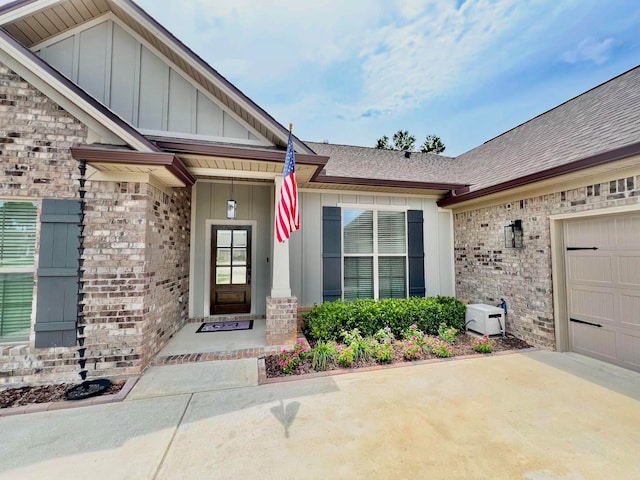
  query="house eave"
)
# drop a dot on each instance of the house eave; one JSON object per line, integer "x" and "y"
{"x": 586, "y": 163}
{"x": 440, "y": 187}
{"x": 102, "y": 158}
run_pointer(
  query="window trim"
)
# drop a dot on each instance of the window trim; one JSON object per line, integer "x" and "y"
{"x": 375, "y": 254}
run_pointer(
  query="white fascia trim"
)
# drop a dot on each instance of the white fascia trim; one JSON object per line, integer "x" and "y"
{"x": 55, "y": 89}
{"x": 154, "y": 31}
{"x": 26, "y": 11}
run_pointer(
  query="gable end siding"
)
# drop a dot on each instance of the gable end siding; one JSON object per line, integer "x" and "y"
{"x": 140, "y": 86}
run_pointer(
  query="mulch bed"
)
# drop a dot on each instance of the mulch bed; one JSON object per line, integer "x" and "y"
{"x": 462, "y": 347}
{"x": 15, "y": 397}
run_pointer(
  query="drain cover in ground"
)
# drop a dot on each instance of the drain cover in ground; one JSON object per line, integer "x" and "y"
{"x": 225, "y": 326}
{"x": 87, "y": 389}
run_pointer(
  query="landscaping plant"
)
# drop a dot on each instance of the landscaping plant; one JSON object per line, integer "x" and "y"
{"x": 324, "y": 355}
{"x": 446, "y": 333}
{"x": 290, "y": 359}
{"x": 384, "y": 352}
{"x": 414, "y": 334}
{"x": 440, "y": 348}
{"x": 362, "y": 348}
{"x": 411, "y": 350}
{"x": 483, "y": 345}
{"x": 345, "y": 356}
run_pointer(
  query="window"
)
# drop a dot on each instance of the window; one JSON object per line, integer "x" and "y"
{"x": 17, "y": 254}
{"x": 374, "y": 254}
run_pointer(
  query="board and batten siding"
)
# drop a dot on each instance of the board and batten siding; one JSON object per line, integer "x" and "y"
{"x": 254, "y": 204}
{"x": 119, "y": 71}
{"x": 306, "y": 245}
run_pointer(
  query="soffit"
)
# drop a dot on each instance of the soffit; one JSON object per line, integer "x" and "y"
{"x": 55, "y": 19}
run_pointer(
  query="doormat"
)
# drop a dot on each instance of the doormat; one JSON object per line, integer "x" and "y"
{"x": 225, "y": 326}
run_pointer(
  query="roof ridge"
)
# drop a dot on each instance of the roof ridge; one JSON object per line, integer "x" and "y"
{"x": 418, "y": 152}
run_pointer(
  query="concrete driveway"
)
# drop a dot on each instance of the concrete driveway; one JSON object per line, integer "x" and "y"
{"x": 536, "y": 415}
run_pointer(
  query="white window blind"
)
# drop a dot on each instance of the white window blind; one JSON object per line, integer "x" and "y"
{"x": 17, "y": 256}
{"x": 375, "y": 254}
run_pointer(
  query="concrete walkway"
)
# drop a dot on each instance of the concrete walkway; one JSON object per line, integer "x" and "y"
{"x": 533, "y": 416}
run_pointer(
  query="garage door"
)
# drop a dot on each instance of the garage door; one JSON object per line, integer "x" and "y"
{"x": 603, "y": 288}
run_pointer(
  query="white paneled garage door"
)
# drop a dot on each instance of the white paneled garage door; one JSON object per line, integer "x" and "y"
{"x": 603, "y": 287}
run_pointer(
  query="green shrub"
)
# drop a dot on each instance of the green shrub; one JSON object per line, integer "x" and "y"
{"x": 323, "y": 355}
{"x": 327, "y": 321}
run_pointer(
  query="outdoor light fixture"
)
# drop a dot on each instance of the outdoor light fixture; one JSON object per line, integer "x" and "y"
{"x": 232, "y": 209}
{"x": 232, "y": 206}
{"x": 513, "y": 235}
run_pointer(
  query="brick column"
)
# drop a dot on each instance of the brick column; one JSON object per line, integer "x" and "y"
{"x": 282, "y": 315}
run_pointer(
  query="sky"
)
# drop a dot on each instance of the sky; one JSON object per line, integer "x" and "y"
{"x": 351, "y": 71}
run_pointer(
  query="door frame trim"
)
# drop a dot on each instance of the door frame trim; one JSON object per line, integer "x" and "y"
{"x": 558, "y": 267}
{"x": 207, "y": 258}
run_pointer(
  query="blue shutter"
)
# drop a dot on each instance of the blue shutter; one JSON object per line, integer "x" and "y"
{"x": 331, "y": 254}
{"x": 58, "y": 274}
{"x": 415, "y": 240}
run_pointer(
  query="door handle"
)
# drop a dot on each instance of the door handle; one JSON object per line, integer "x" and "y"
{"x": 586, "y": 323}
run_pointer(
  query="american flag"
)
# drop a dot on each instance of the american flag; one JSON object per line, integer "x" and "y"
{"x": 288, "y": 215}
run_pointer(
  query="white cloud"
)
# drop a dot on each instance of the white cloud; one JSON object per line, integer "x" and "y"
{"x": 436, "y": 49}
{"x": 590, "y": 50}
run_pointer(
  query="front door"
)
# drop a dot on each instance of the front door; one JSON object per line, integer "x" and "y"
{"x": 230, "y": 269}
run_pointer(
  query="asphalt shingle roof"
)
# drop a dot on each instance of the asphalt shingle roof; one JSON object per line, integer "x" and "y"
{"x": 363, "y": 162}
{"x": 599, "y": 120}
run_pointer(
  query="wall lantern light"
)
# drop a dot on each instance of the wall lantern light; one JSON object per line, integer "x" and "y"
{"x": 232, "y": 209}
{"x": 513, "y": 235}
{"x": 232, "y": 206}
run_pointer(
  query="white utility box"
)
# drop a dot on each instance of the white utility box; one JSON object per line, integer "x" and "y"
{"x": 485, "y": 319}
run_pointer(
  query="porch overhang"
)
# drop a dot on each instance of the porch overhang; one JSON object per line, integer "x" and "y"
{"x": 118, "y": 164}
{"x": 208, "y": 160}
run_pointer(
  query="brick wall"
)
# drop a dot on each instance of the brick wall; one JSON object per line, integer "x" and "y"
{"x": 168, "y": 237}
{"x": 486, "y": 271}
{"x": 35, "y": 136}
{"x": 136, "y": 257}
